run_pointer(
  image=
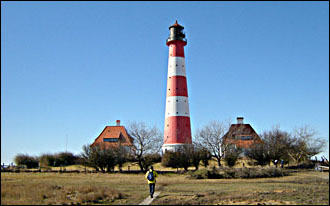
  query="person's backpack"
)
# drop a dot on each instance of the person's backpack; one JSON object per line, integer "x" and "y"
{"x": 150, "y": 176}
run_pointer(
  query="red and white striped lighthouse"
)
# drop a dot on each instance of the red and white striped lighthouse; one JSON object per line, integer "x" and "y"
{"x": 177, "y": 131}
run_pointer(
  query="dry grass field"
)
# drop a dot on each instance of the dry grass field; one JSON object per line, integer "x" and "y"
{"x": 304, "y": 187}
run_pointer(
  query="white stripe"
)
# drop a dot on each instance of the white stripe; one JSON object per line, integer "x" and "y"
{"x": 172, "y": 147}
{"x": 176, "y": 66}
{"x": 177, "y": 106}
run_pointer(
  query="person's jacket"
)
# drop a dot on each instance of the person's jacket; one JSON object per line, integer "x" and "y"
{"x": 155, "y": 175}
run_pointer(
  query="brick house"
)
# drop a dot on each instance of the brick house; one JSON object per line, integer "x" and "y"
{"x": 114, "y": 136}
{"x": 242, "y": 136}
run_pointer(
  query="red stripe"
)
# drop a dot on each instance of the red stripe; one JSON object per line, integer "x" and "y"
{"x": 177, "y": 86}
{"x": 177, "y": 130}
{"x": 176, "y": 48}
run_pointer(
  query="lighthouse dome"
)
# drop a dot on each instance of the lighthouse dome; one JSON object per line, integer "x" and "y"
{"x": 176, "y": 33}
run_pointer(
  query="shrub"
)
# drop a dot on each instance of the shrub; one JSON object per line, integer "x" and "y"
{"x": 59, "y": 159}
{"x": 304, "y": 165}
{"x": 149, "y": 159}
{"x": 260, "y": 172}
{"x": 229, "y": 173}
{"x": 47, "y": 160}
{"x": 199, "y": 174}
{"x": 65, "y": 158}
{"x": 102, "y": 158}
{"x": 169, "y": 159}
{"x": 231, "y": 160}
{"x": 205, "y": 156}
{"x": 215, "y": 174}
{"x": 28, "y": 161}
{"x": 232, "y": 156}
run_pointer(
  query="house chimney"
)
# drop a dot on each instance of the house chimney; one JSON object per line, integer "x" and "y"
{"x": 118, "y": 123}
{"x": 240, "y": 120}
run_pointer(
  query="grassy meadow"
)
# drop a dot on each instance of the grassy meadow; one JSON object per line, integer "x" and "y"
{"x": 303, "y": 187}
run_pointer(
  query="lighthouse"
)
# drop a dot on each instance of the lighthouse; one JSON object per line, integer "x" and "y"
{"x": 177, "y": 131}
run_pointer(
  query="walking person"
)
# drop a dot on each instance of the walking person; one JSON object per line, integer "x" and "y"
{"x": 151, "y": 177}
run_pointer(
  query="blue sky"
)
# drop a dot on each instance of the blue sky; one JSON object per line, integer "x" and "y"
{"x": 68, "y": 69}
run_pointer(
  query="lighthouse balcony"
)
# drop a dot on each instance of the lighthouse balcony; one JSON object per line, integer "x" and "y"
{"x": 175, "y": 38}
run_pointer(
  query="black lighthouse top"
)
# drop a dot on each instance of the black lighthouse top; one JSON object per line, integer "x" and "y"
{"x": 176, "y": 33}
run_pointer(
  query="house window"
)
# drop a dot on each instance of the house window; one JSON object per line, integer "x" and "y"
{"x": 110, "y": 139}
{"x": 246, "y": 137}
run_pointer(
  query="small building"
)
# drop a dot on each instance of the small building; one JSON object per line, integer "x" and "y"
{"x": 114, "y": 136}
{"x": 241, "y": 136}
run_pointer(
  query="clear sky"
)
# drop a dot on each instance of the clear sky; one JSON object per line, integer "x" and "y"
{"x": 68, "y": 69}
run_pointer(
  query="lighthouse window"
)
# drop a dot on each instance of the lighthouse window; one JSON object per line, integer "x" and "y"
{"x": 176, "y": 65}
{"x": 177, "y": 112}
{"x": 177, "y": 100}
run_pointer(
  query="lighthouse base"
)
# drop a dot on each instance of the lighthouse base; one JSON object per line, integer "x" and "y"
{"x": 172, "y": 147}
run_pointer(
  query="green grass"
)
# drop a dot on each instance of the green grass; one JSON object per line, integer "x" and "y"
{"x": 305, "y": 187}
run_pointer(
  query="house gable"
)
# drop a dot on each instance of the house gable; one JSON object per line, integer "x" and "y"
{"x": 114, "y": 136}
{"x": 242, "y": 135}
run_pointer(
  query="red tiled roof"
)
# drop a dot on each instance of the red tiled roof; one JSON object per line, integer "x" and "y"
{"x": 119, "y": 132}
{"x": 243, "y": 143}
{"x": 241, "y": 130}
{"x": 176, "y": 24}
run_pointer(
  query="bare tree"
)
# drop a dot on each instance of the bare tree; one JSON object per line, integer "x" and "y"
{"x": 305, "y": 144}
{"x": 259, "y": 152}
{"x": 232, "y": 156}
{"x": 210, "y": 137}
{"x": 121, "y": 156}
{"x": 278, "y": 144}
{"x": 147, "y": 140}
{"x": 89, "y": 156}
{"x": 99, "y": 157}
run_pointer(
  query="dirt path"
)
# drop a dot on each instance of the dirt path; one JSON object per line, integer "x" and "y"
{"x": 148, "y": 200}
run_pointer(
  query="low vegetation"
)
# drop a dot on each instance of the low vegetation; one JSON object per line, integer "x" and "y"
{"x": 229, "y": 173}
{"x": 303, "y": 187}
{"x": 49, "y": 188}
